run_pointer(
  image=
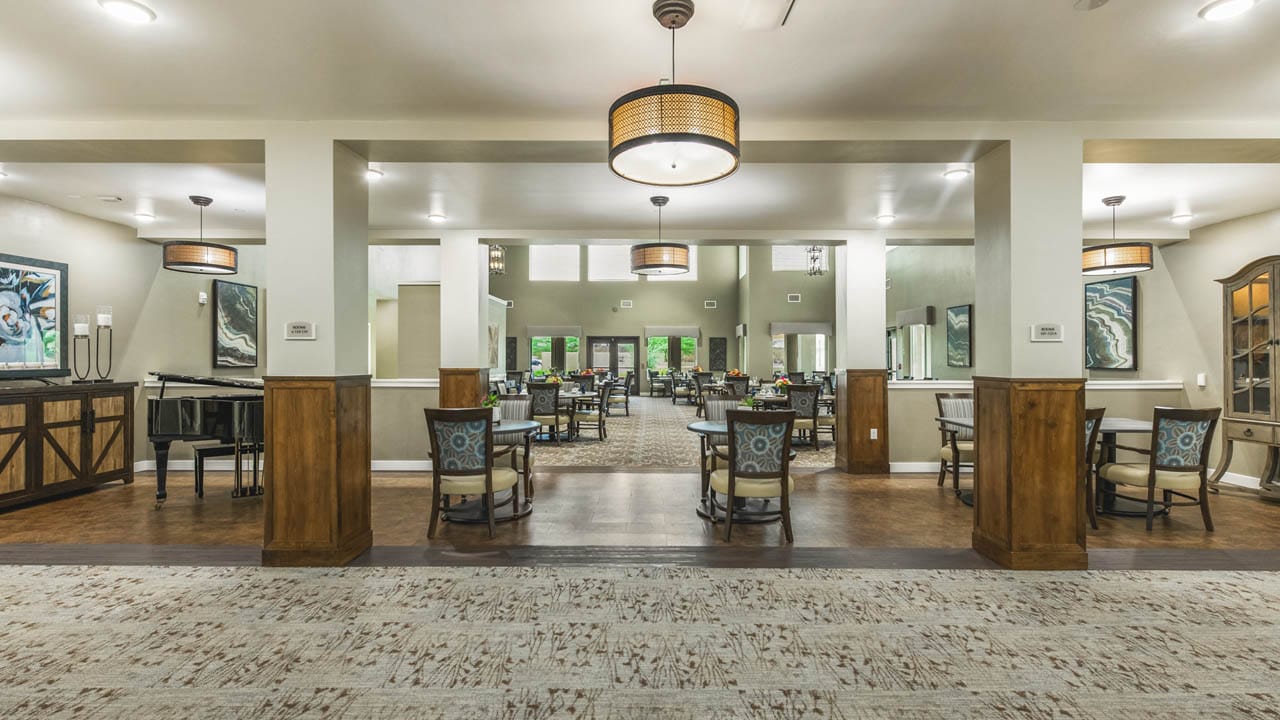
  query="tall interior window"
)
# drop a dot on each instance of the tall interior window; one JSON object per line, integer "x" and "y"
{"x": 778, "y": 351}
{"x": 609, "y": 263}
{"x": 658, "y": 355}
{"x": 688, "y": 352}
{"x": 559, "y": 353}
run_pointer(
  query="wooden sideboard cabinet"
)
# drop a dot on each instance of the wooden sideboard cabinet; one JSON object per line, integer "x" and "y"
{"x": 62, "y": 438}
{"x": 1250, "y": 342}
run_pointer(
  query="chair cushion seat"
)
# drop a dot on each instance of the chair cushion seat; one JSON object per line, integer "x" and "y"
{"x": 554, "y": 420}
{"x": 504, "y": 478}
{"x": 585, "y": 414}
{"x": 805, "y": 424}
{"x": 964, "y": 446}
{"x": 683, "y": 391}
{"x": 826, "y": 421}
{"x": 508, "y": 438}
{"x": 617, "y": 399}
{"x": 1135, "y": 475}
{"x": 749, "y": 487}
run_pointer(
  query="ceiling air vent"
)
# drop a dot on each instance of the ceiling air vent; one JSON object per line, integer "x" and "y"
{"x": 793, "y": 297}
{"x": 626, "y": 304}
{"x": 708, "y": 304}
{"x": 511, "y": 304}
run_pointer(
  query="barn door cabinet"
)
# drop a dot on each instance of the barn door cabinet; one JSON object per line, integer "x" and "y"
{"x": 63, "y": 438}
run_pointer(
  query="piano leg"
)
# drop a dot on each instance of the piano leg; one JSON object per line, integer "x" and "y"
{"x": 162, "y": 470}
{"x": 257, "y": 481}
{"x": 239, "y": 473}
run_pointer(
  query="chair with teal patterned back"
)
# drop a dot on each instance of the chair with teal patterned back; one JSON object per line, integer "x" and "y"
{"x": 1177, "y": 463}
{"x": 462, "y": 460}
{"x": 1092, "y": 428}
{"x": 803, "y": 399}
{"x": 759, "y": 463}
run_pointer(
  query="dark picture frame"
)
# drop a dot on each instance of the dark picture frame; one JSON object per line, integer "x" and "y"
{"x": 34, "y": 294}
{"x": 959, "y": 320}
{"x": 235, "y": 325}
{"x": 1111, "y": 324}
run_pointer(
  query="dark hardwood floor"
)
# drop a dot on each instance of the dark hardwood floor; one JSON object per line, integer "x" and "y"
{"x": 617, "y": 517}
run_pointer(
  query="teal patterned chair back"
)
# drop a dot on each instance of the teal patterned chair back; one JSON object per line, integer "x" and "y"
{"x": 1180, "y": 440}
{"x": 543, "y": 397}
{"x": 459, "y": 445}
{"x": 804, "y": 400}
{"x": 737, "y": 385}
{"x": 759, "y": 442}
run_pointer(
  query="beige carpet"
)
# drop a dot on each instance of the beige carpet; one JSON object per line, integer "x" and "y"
{"x": 155, "y": 643}
{"x": 655, "y": 435}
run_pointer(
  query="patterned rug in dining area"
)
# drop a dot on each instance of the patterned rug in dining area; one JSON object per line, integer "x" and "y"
{"x": 634, "y": 642}
{"x": 654, "y": 435}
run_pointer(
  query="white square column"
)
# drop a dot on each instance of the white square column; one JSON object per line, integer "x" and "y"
{"x": 860, "y": 301}
{"x": 464, "y": 301}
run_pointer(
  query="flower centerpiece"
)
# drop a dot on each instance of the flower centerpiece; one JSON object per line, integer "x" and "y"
{"x": 782, "y": 382}
{"x": 587, "y": 372}
{"x": 554, "y": 379}
{"x": 697, "y": 368}
{"x": 734, "y": 373}
{"x": 493, "y": 401}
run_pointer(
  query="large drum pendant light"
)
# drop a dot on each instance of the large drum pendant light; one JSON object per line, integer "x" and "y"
{"x": 659, "y": 258}
{"x": 674, "y": 135}
{"x": 200, "y": 257}
{"x": 1116, "y": 258}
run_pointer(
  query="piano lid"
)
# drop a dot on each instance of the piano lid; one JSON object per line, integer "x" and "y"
{"x": 249, "y": 383}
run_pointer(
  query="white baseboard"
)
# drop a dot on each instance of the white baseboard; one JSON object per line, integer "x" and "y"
{"x": 227, "y": 464}
{"x": 1245, "y": 481}
{"x": 921, "y": 467}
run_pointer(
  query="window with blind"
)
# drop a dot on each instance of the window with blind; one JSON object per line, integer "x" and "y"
{"x": 609, "y": 263}
{"x": 795, "y": 258}
{"x": 554, "y": 263}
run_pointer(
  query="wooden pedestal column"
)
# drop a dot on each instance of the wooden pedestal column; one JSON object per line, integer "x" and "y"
{"x": 1028, "y": 511}
{"x": 463, "y": 387}
{"x": 862, "y": 406}
{"x": 318, "y": 470}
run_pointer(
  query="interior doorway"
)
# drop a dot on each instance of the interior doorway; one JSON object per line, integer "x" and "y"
{"x": 615, "y": 354}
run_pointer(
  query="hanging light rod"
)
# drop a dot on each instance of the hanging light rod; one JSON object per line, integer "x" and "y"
{"x": 201, "y": 257}
{"x": 673, "y": 135}
{"x": 1116, "y": 258}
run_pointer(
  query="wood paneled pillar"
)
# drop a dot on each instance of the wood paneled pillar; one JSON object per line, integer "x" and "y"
{"x": 318, "y": 470}
{"x": 463, "y": 387}
{"x": 862, "y": 410}
{"x": 1028, "y": 511}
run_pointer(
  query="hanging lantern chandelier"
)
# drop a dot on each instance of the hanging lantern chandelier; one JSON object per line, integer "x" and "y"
{"x": 200, "y": 257}
{"x": 659, "y": 258}
{"x": 814, "y": 253}
{"x": 497, "y": 260}
{"x": 674, "y": 135}
{"x": 1116, "y": 258}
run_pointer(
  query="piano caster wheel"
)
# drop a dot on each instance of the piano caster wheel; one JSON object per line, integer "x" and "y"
{"x": 159, "y": 504}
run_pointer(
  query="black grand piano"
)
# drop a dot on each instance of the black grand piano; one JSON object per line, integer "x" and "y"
{"x": 233, "y": 421}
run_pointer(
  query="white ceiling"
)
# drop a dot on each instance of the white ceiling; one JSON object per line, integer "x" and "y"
{"x": 568, "y": 59}
{"x": 588, "y": 196}
{"x": 238, "y": 192}
{"x": 569, "y": 197}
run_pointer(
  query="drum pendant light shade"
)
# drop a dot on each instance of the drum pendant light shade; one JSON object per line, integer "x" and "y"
{"x": 660, "y": 259}
{"x": 674, "y": 135}
{"x": 198, "y": 256}
{"x": 1116, "y": 258}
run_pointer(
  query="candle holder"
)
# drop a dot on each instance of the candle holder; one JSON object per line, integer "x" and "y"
{"x": 104, "y": 323}
{"x": 80, "y": 331}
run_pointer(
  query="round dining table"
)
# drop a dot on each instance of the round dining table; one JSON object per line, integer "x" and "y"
{"x": 745, "y": 510}
{"x": 473, "y": 512}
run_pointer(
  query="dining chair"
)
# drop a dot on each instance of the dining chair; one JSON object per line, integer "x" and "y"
{"x": 803, "y": 399}
{"x": 681, "y": 387}
{"x": 516, "y": 407}
{"x": 796, "y": 378}
{"x": 716, "y": 447}
{"x": 593, "y": 411}
{"x": 1177, "y": 462}
{"x": 462, "y": 460}
{"x": 759, "y": 463}
{"x": 1092, "y": 429}
{"x": 957, "y": 442}
{"x": 738, "y": 385}
{"x": 585, "y": 383}
{"x": 546, "y": 409}
{"x": 620, "y": 394}
{"x": 515, "y": 378}
{"x": 699, "y": 393}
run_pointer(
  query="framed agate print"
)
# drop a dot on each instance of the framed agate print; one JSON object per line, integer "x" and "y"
{"x": 235, "y": 325}
{"x": 1111, "y": 324}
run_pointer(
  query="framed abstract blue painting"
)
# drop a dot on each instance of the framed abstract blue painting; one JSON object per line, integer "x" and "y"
{"x": 1111, "y": 324}
{"x": 33, "y": 318}
{"x": 235, "y": 325}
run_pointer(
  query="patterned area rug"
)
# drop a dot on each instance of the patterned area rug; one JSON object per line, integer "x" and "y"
{"x": 655, "y": 435}
{"x": 186, "y": 643}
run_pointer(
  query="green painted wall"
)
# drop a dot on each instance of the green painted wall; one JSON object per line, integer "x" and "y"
{"x": 767, "y": 298}
{"x": 941, "y": 276}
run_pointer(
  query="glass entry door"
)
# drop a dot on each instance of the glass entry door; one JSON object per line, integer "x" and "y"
{"x": 619, "y": 355}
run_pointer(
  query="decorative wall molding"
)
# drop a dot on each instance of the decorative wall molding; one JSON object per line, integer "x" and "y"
{"x": 922, "y": 467}
{"x": 1101, "y": 385}
{"x": 406, "y": 383}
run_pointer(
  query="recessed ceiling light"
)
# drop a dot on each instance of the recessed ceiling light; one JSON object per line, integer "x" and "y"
{"x": 3, "y": 174}
{"x": 885, "y": 219}
{"x": 128, "y": 10}
{"x": 956, "y": 173}
{"x": 144, "y": 217}
{"x": 1182, "y": 218}
{"x": 437, "y": 217}
{"x": 373, "y": 174}
{"x": 1226, "y": 9}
